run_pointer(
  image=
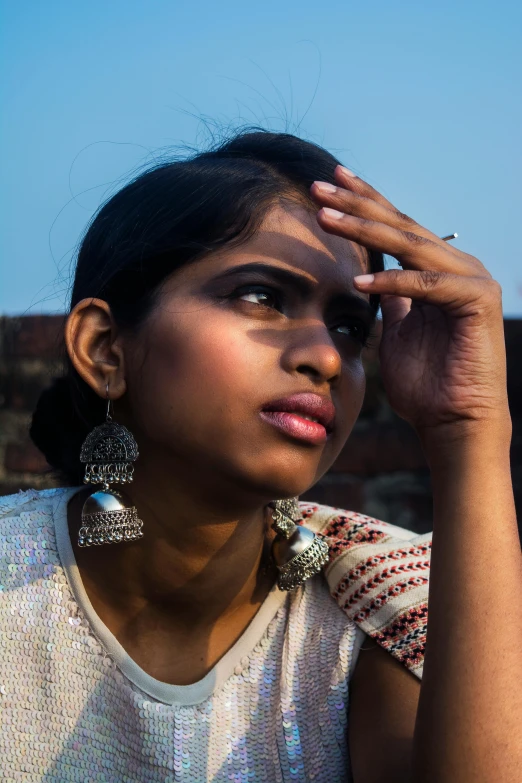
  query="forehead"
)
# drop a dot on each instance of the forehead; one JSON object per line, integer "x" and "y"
{"x": 291, "y": 234}
{"x": 289, "y": 237}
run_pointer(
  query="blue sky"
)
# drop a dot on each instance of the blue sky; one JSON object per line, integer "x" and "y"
{"x": 422, "y": 99}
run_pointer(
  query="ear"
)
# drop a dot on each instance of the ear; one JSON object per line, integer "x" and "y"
{"x": 93, "y": 345}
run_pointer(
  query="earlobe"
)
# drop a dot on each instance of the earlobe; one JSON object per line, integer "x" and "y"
{"x": 93, "y": 348}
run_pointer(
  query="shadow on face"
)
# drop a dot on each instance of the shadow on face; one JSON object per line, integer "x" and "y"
{"x": 273, "y": 317}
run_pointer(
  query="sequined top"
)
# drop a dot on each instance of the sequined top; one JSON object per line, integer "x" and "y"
{"x": 75, "y": 707}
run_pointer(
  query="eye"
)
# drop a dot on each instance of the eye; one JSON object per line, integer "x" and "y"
{"x": 260, "y": 295}
{"x": 355, "y": 329}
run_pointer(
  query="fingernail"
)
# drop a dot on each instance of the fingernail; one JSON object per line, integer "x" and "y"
{"x": 364, "y": 279}
{"x": 346, "y": 171}
{"x": 327, "y": 187}
{"x": 334, "y": 214}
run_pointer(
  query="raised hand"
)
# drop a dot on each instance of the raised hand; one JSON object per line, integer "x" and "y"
{"x": 442, "y": 351}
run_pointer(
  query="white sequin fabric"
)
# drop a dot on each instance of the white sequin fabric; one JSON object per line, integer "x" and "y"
{"x": 71, "y": 711}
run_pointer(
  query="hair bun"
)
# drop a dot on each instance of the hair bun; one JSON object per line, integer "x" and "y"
{"x": 57, "y": 430}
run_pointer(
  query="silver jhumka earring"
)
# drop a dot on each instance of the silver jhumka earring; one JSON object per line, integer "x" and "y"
{"x": 297, "y": 551}
{"x": 107, "y": 515}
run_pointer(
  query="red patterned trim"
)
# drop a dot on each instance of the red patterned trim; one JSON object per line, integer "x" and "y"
{"x": 308, "y": 511}
{"x": 353, "y": 535}
{"x": 399, "y": 588}
{"x": 379, "y": 579}
{"x": 361, "y": 569}
{"x": 413, "y": 622}
{"x": 405, "y": 639}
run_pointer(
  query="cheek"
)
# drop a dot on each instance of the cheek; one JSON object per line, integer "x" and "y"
{"x": 218, "y": 362}
{"x": 349, "y": 398}
{"x": 198, "y": 370}
{"x": 356, "y": 384}
{"x": 198, "y": 392}
{"x": 351, "y": 395}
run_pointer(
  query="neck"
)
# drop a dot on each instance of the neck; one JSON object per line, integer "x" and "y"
{"x": 198, "y": 562}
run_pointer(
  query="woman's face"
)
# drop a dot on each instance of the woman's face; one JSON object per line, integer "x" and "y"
{"x": 241, "y": 332}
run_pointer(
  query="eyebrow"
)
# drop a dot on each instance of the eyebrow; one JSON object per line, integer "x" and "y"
{"x": 301, "y": 284}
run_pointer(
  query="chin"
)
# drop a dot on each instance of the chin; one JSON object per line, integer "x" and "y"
{"x": 281, "y": 482}
{"x": 265, "y": 470}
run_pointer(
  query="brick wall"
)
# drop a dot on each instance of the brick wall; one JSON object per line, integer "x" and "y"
{"x": 381, "y": 471}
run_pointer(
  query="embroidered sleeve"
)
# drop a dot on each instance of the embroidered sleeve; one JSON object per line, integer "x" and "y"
{"x": 379, "y": 575}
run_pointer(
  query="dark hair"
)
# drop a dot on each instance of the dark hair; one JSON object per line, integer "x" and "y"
{"x": 168, "y": 216}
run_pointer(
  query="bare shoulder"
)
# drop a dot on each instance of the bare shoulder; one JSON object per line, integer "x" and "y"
{"x": 383, "y": 707}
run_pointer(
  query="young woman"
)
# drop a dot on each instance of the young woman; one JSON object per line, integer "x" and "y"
{"x": 219, "y": 310}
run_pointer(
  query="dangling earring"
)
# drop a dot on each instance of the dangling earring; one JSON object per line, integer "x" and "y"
{"x": 108, "y": 516}
{"x": 297, "y": 551}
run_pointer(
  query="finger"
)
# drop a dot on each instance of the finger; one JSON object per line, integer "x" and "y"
{"x": 360, "y": 206}
{"x": 347, "y": 179}
{"x": 414, "y": 251}
{"x": 454, "y": 293}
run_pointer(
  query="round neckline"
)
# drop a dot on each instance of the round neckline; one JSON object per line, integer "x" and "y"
{"x": 185, "y": 695}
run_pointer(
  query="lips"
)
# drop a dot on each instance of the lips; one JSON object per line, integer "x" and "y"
{"x": 292, "y": 415}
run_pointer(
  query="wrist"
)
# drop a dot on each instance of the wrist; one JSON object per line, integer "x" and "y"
{"x": 447, "y": 444}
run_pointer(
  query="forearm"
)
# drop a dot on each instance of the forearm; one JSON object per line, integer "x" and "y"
{"x": 469, "y": 721}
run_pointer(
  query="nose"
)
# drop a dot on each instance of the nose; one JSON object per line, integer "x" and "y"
{"x": 311, "y": 352}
